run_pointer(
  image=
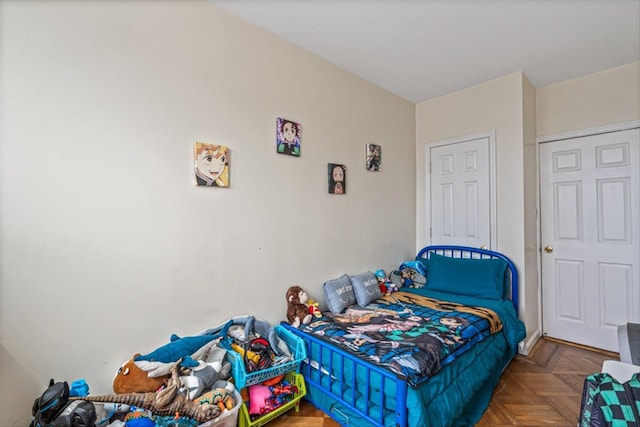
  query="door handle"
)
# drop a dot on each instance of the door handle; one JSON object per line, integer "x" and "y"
{"x": 483, "y": 247}
{"x": 548, "y": 249}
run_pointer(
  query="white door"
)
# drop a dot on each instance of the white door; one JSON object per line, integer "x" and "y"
{"x": 590, "y": 237}
{"x": 460, "y": 198}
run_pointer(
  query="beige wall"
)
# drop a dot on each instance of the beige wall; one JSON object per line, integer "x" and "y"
{"x": 107, "y": 247}
{"x": 608, "y": 97}
{"x": 494, "y": 105}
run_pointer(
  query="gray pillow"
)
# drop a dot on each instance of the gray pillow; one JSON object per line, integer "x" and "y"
{"x": 338, "y": 294}
{"x": 366, "y": 288}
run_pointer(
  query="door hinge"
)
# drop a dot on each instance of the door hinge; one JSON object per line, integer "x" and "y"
{"x": 430, "y": 232}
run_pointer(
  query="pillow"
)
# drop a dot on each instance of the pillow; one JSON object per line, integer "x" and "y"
{"x": 338, "y": 294}
{"x": 484, "y": 278}
{"x": 366, "y": 288}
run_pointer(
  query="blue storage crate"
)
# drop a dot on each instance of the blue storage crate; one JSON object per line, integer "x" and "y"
{"x": 243, "y": 379}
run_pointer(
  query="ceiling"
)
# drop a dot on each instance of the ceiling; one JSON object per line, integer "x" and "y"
{"x": 421, "y": 49}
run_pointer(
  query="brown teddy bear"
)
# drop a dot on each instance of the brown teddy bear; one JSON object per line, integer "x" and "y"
{"x": 297, "y": 311}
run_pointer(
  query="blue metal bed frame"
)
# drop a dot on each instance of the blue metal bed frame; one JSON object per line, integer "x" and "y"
{"x": 398, "y": 401}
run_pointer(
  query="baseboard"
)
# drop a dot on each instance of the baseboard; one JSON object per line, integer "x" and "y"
{"x": 525, "y": 346}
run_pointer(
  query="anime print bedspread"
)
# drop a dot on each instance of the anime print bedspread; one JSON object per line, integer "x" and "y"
{"x": 412, "y": 335}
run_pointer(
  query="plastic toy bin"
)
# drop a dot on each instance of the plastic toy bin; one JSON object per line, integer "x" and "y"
{"x": 296, "y": 379}
{"x": 227, "y": 418}
{"x": 243, "y": 379}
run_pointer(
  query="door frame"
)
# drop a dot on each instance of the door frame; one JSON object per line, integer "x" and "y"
{"x": 616, "y": 127}
{"x": 493, "y": 233}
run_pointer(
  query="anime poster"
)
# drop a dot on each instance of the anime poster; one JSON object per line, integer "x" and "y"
{"x": 288, "y": 135}
{"x": 337, "y": 178}
{"x": 211, "y": 165}
{"x": 374, "y": 157}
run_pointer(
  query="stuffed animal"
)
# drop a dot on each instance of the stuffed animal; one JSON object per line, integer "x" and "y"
{"x": 410, "y": 274}
{"x": 221, "y": 396}
{"x": 178, "y": 348}
{"x": 386, "y": 285}
{"x": 313, "y": 308}
{"x": 382, "y": 282}
{"x": 203, "y": 377}
{"x": 138, "y": 418}
{"x": 297, "y": 311}
{"x": 130, "y": 378}
{"x": 391, "y": 288}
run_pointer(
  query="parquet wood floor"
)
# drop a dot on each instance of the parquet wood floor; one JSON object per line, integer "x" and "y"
{"x": 542, "y": 389}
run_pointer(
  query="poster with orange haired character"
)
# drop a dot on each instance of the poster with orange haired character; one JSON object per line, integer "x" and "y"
{"x": 211, "y": 165}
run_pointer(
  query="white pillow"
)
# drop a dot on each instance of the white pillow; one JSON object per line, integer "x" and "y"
{"x": 338, "y": 294}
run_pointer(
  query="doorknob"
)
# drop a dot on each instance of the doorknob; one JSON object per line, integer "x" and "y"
{"x": 483, "y": 247}
{"x": 548, "y": 249}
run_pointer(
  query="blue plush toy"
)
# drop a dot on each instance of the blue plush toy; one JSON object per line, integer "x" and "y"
{"x": 138, "y": 418}
{"x": 411, "y": 274}
{"x": 79, "y": 388}
{"x": 181, "y": 348}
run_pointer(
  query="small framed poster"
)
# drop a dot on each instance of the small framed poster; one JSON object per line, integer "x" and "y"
{"x": 337, "y": 178}
{"x": 211, "y": 165}
{"x": 288, "y": 136}
{"x": 374, "y": 157}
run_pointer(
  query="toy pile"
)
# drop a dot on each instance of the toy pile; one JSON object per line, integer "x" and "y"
{"x": 183, "y": 380}
{"x": 183, "y": 383}
{"x": 268, "y": 396}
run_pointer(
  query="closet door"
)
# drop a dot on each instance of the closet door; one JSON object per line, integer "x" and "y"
{"x": 460, "y": 207}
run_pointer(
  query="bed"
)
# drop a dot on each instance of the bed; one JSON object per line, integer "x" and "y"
{"x": 428, "y": 356}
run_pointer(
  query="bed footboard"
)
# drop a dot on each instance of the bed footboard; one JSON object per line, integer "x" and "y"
{"x": 374, "y": 395}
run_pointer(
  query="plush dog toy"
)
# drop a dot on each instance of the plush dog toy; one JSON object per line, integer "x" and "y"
{"x": 297, "y": 311}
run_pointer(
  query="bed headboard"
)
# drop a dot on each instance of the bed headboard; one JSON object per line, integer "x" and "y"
{"x": 476, "y": 253}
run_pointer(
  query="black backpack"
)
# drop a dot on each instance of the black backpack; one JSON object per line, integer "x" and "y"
{"x": 52, "y": 409}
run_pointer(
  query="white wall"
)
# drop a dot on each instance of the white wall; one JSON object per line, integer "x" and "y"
{"x": 107, "y": 247}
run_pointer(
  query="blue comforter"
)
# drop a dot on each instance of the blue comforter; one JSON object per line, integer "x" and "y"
{"x": 411, "y": 333}
{"x": 513, "y": 329}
